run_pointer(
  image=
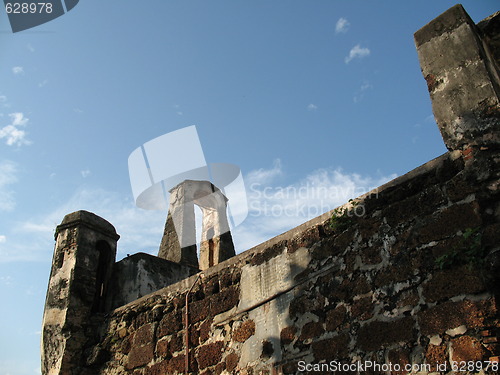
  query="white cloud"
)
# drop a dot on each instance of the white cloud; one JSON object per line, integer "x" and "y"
{"x": 312, "y": 107}
{"x": 43, "y": 83}
{"x": 366, "y": 86}
{"x": 3, "y": 238}
{"x": 430, "y": 119}
{"x": 12, "y": 133}
{"x": 18, "y": 70}
{"x": 18, "y": 119}
{"x": 85, "y": 173}
{"x": 357, "y": 52}
{"x": 6, "y": 280}
{"x": 4, "y": 103}
{"x": 360, "y": 94}
{"x": 342, "y": 25}
{"x": 265, "y": 176}
{"x": 7, "y": 177}
{"x": 140, "y": 230}
{"x": 274, "y": 209}
{"x": 178, "y": 111}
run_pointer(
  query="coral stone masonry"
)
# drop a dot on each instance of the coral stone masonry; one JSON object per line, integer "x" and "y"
{"x": 411, "y": 286}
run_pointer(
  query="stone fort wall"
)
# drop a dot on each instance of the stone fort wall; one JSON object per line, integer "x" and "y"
{"x": 413, "y": 281}
{"x": 374, "y": 291}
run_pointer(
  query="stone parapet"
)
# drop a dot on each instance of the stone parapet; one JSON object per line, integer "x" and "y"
{"x": 463, "y": 79}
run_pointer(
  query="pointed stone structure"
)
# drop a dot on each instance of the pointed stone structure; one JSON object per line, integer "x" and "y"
{"x": 179, "y": 238}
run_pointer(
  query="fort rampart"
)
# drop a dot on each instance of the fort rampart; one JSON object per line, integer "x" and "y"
{"x": 413, "y": 281}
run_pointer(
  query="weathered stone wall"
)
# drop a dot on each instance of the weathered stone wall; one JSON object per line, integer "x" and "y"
{"x": 405, "y": 275}
{"x": 377, "y": 288}
{"x": 141, "y": 274}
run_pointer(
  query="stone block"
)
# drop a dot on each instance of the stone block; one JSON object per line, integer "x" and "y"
{"x": 219, "y": 368}
{"x": 287, "y": 335}
{"x": 393, "y": 274}
{"x": 194, "y": 337}
{"x": 436, "y": 355}
{"x": 467, "y": 349}
{"x": 458, "y": 188}
{"x": 205, "y": 329}
{"x": 311, "y": 330}
{"x": 408, "y": 298}
{"x": 224, "y": 300}
{"x": 298, "y": 306}
{"x": 335, "y": 318}
{"x": 362, "y": 309}
{"x": 159, "y": 368}
{"x": 126, "y": 344}
{"x": 231, "y": 362}
{"x": 289, "y": 368}
{"x": 177, "y": 364}
{"x": 229, "y": 277}
{"x": 491, "y": 236}
{"x": 211, "y": 284}
{"x": 448, "y": 315}
{"x": 267, "y": 349}
{"x": 424, "y": 202}
{"x": 334, "y": 348}
{"x": 449, "y": 221}
{"x": 367, "y": 227}
{"x": 162, "y": 349}
{"x": 344, "y": 240}
{"x": 198, "y": 310}
{"x": 144, "y": 335}
{"x": 334, "y": 289}
{"x": 210, "y": 354}
{"x": 140, "y": 356}
{"x": 371, "y": 255}
{"x": 377, "y": 334}
{"x": 400, "y": 357}
{"x": 360, "y": 285}
{"x": 324, "y": 249}
{"x": 171, "y": 323}
{"x": 444, "y": 247}
{"x": 450, "y": 283}
{"x": 244, "y": 331}
{"x": 176, "y": 343}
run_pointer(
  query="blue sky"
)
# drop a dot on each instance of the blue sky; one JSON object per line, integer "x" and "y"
{"x": 306, "y": 97}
